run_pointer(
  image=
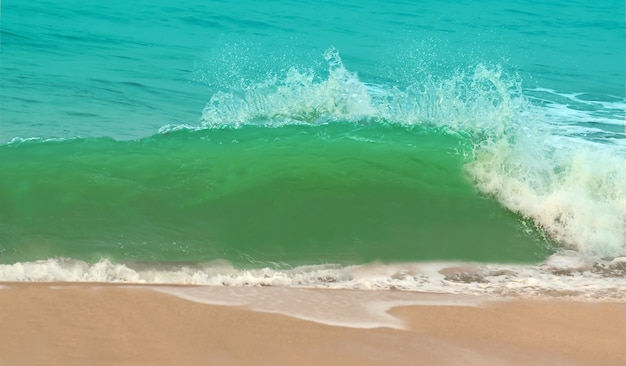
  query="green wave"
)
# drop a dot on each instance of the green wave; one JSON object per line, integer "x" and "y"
{"x": 339, "y": 192}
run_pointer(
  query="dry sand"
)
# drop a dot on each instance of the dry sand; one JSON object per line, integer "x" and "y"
{"x": 83, "y": 324}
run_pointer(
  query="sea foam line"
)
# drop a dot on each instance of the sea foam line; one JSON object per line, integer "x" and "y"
{"x": 354, "y": 309}
{"x": 562, "y": 275}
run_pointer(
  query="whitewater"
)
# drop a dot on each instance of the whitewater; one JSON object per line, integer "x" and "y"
{"x": 283, "y": 151}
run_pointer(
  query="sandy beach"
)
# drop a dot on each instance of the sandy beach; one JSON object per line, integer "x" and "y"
{"x": 87, "y": 324}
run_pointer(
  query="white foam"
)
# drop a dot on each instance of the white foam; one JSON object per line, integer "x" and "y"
{"x": 354, "y": 309}
{"x": 574, "y": 192}
{"x": 68, "y": 270}
{"x": 562, "y": 275}
{"x": 567, "y": 113}
{"x": 614, "y": 108}
{"x": 20, "y": 140}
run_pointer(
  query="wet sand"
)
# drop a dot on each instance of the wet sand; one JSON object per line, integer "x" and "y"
{"x": 87, "y": 324}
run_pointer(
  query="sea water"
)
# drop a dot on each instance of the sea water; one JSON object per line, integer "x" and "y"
{"x": 470, "y": 147}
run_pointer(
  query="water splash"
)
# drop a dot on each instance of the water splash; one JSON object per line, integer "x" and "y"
{"x": 297, "y": 98}
{"x": 571, "y": 188}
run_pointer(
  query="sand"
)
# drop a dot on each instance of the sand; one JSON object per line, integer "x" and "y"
{"x": 87, "y": 324}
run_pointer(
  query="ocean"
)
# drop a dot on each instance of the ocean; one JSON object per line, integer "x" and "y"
{"x": 468, "y": 147}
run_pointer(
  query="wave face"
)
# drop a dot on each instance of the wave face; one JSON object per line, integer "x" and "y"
{"x": 171, "y": 136}
{"x": 295, "y": 193}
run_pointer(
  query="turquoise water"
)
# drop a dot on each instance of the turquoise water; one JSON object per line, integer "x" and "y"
{"x": 291, "y": 194}
{"x": 290, "y": 133}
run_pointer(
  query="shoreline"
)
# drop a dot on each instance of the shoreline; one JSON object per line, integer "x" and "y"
{"x": 561, "y": 275}
{"x": 120, "y": 324}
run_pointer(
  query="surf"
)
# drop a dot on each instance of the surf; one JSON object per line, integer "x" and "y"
{"x": 309, "y": 167}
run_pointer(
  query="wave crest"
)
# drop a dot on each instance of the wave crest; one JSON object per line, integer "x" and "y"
{"x": 571, "y": 188}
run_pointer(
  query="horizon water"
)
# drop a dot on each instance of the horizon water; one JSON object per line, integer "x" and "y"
{"x": 464, "y": 148}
